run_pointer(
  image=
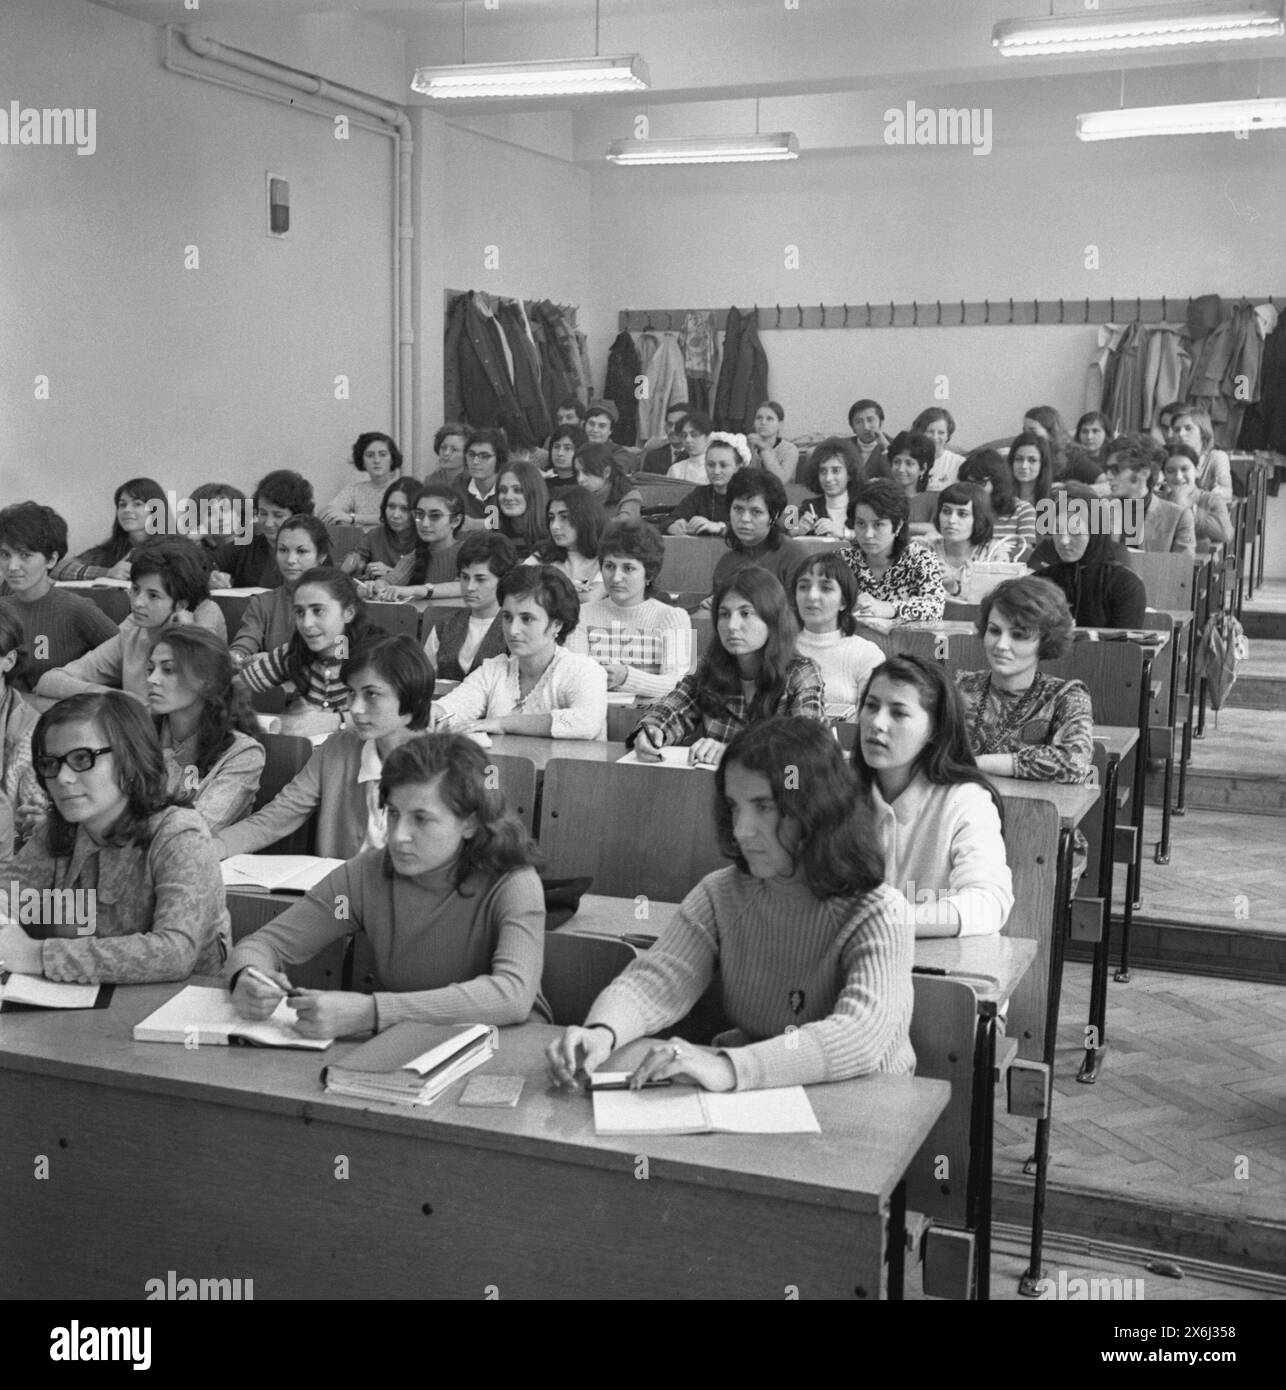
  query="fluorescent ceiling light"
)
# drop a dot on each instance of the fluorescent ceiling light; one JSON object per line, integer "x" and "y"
{"x": 555, "y": 77}
{"x": 714, "y": 149}
{"x": 1197, "y": 118}
{"x": 1161, "y": 26}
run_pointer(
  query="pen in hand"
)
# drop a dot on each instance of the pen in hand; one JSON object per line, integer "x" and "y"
{"x": 263, "y": 979}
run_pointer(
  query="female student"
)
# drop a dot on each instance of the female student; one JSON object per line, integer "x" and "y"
{"x": 278, "y": 496}
{"x": 330, "y": 622}
{"x": 575, "y": 522}
{"x": 563, "y": 443}
{"x": 937, "y": 426}
{"x": 18, "y": 781}
{"x": 1210, "y": 519}
{"x": 473, "y": 634}
{"x": 834, "y": 472}
{"x": 32, "y": 541}
{"x": 167, "y": 586}
{"x": 453, "y": 909}
{"x": 704, "y": 510}
{"x": 597, "y": 473}
{"x": 207, "y": 730}
{"x": 1012, "y": 518}
{"x": 390, "y": 685}
{"x": 1191, "y": 425}
{"x": 1093, "y": 430}
{"x": 1032, "y": 469}
{"x": 486, "y": 453}
{"x": 521, "y": 499}
{"x": 1101, "y": 589}
{"x": 1020, "y": 722}
{"x": 113, "y": 837}
{"x": 429, "y": 571}
{"x": 384, "y": 548}
{"x": 756, "y": 522}
{"x": 218, "y": 508}
{"x": 936, "y": 817}
{"x": 910, "y": 463}
{"x": 966, "y": 535}
{"x": 644, "y": 645}
{"x": 303, "y": 544}
{"x": 139, "y": 504}
{"x": 694, "y": 430}
{"x": 750, "y": 671}
{"x": 822, "y": 594}
{"x": 448, "y": 446}
{"x": 1068, "y": 463}
{"x": 895, "y": 579}
{"x": 540, "y": 688}
{"x": 812, "y": 952}
{"x": 770, "y": 450}
{"x": 378, "y": 459}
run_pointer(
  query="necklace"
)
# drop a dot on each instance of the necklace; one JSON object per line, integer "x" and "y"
{"x": 1011, "y": 726}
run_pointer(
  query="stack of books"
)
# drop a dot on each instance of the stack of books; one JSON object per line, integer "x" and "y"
{"x": 411, "y": 1063}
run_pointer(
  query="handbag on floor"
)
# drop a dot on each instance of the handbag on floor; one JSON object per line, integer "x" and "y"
{"x": 1223, "y": 648}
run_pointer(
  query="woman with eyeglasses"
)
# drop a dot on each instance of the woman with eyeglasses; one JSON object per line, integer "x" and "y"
{"x": 429, "y": 570}
{"x": 385, "y": 547}
{"x": 137, "y": 867}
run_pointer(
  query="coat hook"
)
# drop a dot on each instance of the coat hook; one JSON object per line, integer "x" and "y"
{"x": 868, "y": 313}
{"x": 1164, "y": 315}
{"x": 963, "y": 314}
{"x": 778, "y": 323}
{"x": 915, "y": 314}
{"x": 1111, "y": 312}
{"x": 1060, "y": 311}
{"x": 1036, "y": 308}
{"x": 939, "y": 302}
{"x": 845, "y": 324}
{"x": 822, "y": 307}
{"x": 893, "y": 313}
{"x": 1138, "y": 309}
{"x": 986, "y": 307}
{"x": 1011, "y": 311}
{"x": 799, "y": 310}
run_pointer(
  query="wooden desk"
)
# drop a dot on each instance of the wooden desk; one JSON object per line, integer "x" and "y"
{"x": 541, "y": 750}
{"x": 233, "y": 1163}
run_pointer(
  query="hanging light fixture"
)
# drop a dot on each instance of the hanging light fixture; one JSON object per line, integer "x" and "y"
{"x": 1161, "y": 26}
{"x": 709, "y": 149}
{"x": 1194, "y": 118}
{"x": 533, "y": 77}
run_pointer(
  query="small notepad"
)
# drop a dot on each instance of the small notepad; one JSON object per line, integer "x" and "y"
{"x": 492, "y": 1090}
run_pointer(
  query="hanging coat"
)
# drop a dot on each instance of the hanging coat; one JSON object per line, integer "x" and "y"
{"x": 622, "y": 368}
{"x": 667, "y": 384}
{"x": 527, "y": 385}
{"x": 743, "y": 377}
{"x": 1264, "y": 426}
{"x": 486, "y": 390}
{"x": 557, "y": 378}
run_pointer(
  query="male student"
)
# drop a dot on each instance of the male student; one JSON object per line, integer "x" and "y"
{"x": 599, "y": 419}
{"x": 662, "y": 457}
{"x": 1134, "y": 462}
{"x": 866, "y": 420}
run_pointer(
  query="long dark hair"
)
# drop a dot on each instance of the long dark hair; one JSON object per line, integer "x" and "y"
{"x": 530, "y": 531}
{"x": 598, "y": 461}
{"x": 359, "y": 631}
{"x": 117, "y": 546}
{"x": 203, "y": 660}
{"x": 988, "y": 466}
{"x": 411, "y": 489}
{"x": 138, "y": 760}
{"x": 946, "y": 759}
{"x": 454, "y": 500}
{"x": 838, "y": 849}
{"x": 500, "y": 843}
{"x": 1045, "y": 478}
{"x": 718, "y": 677}
{"x": 587, "y": 519}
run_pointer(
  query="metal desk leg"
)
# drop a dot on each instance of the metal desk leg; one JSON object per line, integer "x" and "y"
{"x": 1096, "y": 1029}
{"x": 985, "y": 1150}
{"x": 1172, "y": 711}
{"x": 897, "y": 1242}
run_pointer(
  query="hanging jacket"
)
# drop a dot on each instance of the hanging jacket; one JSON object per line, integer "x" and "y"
{"x": 1166, "y": 367}
{"x": 557, "y": 377}
{"x": 451, "y": 358}
{"x": 618, "y": 387}
{"x": 662, "y": 365}
{"x": 487, "y": 394}
{"x": 1264, "y": 425}
{"x": 522, "y": 348}
{"x": 743, "y": 375}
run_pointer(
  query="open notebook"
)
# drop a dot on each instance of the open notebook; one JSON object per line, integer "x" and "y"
{"x": 199, "y": 1016}
{"x": 670, "y": 757}
{"x": 35, "y": 992}
{"x": 279, "y": 873}
{"x": 690, "y": 1110}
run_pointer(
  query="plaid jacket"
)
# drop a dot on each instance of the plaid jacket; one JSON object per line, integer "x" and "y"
{"x": 679, "y": 717}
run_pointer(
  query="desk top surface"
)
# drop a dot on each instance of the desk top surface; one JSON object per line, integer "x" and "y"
{"x": 1071, "y": 801}
{"x": 542, "y": 750}
{"x": 871, "y": 1127}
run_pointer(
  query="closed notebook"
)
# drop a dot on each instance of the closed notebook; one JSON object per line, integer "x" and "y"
{"x": 35, "y": 992}
{"x": 279, "y": 873}
{"x": 411, "y": 1063}
{"x": 199, "y": 1016}
{"x": 689, "y": 1110}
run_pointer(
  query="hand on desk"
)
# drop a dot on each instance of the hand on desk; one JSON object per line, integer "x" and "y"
{"x": 680, "y": 1061}
{"x": 19, "y": 952}
{"x": 333, "y": 1013}
{"x": 577, "y": 1051}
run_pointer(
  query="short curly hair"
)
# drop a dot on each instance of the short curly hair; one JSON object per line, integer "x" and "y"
{"x": 550, "y": 588}
{"x": 1037, "y": 605}
{"x": 634, "y": 540}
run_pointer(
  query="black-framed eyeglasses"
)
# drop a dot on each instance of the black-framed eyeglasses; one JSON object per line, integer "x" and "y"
{"x": 478, "y": 455}
{"x": 79, "y": 760}
{"x": 432, "y": 516}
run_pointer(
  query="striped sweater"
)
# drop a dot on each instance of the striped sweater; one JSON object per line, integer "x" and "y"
{"x": 835, "y": 972}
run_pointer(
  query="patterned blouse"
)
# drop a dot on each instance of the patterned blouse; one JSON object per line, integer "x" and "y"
{"x": 1047, "y": 728}
{"x": 322, "y": 686}
{"x": 912, "y": 583}
{"x": 680, "y": 718}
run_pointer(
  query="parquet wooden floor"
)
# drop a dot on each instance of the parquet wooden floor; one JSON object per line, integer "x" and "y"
{"x": 1190, "y": 1107}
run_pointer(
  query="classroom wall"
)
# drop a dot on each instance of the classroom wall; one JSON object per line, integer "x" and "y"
{"x": 225, "y": 371}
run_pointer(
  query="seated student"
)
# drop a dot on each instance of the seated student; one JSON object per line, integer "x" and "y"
{"x": 770, "y": 450}
{"x": 694, "y": 429}
{"x": 1134, "y": 462}
{"x": 575, "y": 522}
{"x": 1069, "y": 463}
{"x": 599, "y": 475}
{"x": 569, "y": 411}
{"x": 644, "y": 645}
{"x": 1093, "y": 430}
{"x": 811, "y": 951}
{"x": 330, "y": 622}
{"x": 390, "y": 684}
{"x": 378, "y": 460}
{"x": 1210, "y": 519}
{"x": 522, "y": 500}
{"x": 965, "y": 529}
{"x": 750, "y": 671}
{"x": 895, "y": 579}
{"x": 448, "y": 446}
{"x": 704, "y": 510}
{"x": 563, "y": 443}
{"x": 1090, "y": 568}
{"x": 116, "y": 840}
{"x": 1011, "y": 518}
{"x": 58, "y": 625}
{"x": 1163, "y": 430}
{"x": 453, "y": 909}
{"x": 600, "y": 421}
{"x": 835, "y": 472}
{"x": 278, "y": 496}
{"x": 936, "y": 816}
{"x": 430, "y": 569}
{"x": 822, "y": 594}
{"x": 540, "y": 688}
{"x": 1032, "y": 468}
{"x": 303, "y": 544}
{"x": 1021, "y": 723}
{"x": 18, "y": 781}
{"x": 207, "y": 730}
{"x": 473, "y": 634}
{"x": 220, "y": 510}
{"x": 662, "y": 457}
{"x": 756, "y": 535}
{"x": 937, "y": 426}
{"x": 167, "y": 586}
{"x": 910, "y": 463}
{"x": 486, "y": 453}
{"x": 1191, "y": 425}
{"x": 140, "y": 503}
{"x": 866, "y": 420}
{"x": 385, "y": 548}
